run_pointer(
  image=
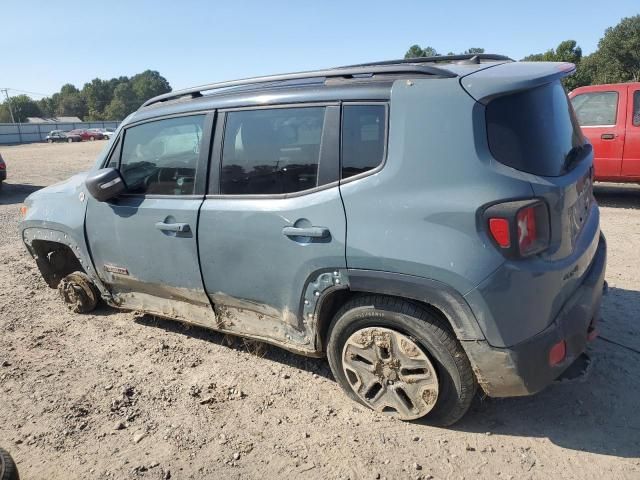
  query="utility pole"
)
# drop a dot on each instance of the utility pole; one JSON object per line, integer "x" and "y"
{"x": 6, "y": 93}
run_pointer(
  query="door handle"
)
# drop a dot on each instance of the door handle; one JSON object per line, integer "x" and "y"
{"x": 173, "y": 227}
{"x": 608, "y": 136}
{"x": 312, "y": 232}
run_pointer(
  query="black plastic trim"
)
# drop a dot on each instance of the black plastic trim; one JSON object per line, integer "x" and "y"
{"x": 440, "y": 295}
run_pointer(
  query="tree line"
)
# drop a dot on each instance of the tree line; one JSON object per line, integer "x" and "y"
{"x": 97, "y": 100}
{"x": 616, "y": 60}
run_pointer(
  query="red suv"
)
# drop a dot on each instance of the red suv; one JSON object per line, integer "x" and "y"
{"x": 610, "y": 118}
{"x": 87, "y": 134}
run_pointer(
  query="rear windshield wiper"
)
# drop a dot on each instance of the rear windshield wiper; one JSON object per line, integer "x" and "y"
{"x": 575, "y": 155}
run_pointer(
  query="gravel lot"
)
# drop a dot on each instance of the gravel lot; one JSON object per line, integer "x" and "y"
{"x": 114, "y": 395}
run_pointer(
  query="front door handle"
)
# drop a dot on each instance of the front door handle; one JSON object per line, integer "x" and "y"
{"x": 173, "y": 227}
{"x": 312, "y": 232}
{"x": 608, "y": 136}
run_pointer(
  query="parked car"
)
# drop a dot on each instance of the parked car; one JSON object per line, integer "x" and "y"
{"x": 3, "y": 170}
{"x": 610, "y": 118}
{"x": 60, "y": 136}
{"x": 427, "y": 224}
{"x": 87, "y": 134}
{"x": 106, "y": 133}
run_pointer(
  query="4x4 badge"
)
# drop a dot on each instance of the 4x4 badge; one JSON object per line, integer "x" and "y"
{"x": 115, "y": 269}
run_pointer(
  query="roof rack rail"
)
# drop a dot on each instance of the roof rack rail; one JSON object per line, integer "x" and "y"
{"x": 466, "y": 58}
{"x": 348, "y": 72}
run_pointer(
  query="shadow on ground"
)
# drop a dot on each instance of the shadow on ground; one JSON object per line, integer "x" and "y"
{"x": 597, "y": 412}
{"x": 617, "y": 195}
{"x": 15, "y": 193}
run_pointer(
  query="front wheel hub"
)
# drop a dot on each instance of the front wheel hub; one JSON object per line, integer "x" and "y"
{"x": 390, "y": 372}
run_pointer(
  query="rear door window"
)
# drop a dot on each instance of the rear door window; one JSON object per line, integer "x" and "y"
{"x": 596, "y": 108}
{"x": 636, "y": 108}
{"x": 535, "y": 130}
{"x": 271, "y": 151}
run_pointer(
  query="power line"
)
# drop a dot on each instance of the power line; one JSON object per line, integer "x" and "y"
{"x": 27, "y": 92}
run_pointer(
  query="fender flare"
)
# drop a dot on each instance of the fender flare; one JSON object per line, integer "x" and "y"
{"x": 433, "y": 292}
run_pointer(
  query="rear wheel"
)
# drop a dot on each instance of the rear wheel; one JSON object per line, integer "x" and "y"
{"x": 8, "y": 469}
{"x": 400, "y": 359}
{"x": 78, "y": 292}
{"x": 49, "y": 140}
{"x": 70, "y": 140}
{"x": 92, "y": 138}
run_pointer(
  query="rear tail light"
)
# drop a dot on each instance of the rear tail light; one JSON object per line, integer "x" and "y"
{"x": 499, "y": 228}
{"x": 2, "y": 166}
{"x": 519, "y": 229}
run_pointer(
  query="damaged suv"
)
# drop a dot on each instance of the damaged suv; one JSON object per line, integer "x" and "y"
{"x": 427, "y": 224}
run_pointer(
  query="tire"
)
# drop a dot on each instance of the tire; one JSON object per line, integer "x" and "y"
{"x": 92, "y": 138}
{"x": 49, "y": 140}
{"x": 70, "y": 140}
{"x": 414, "y": 333}
{"x": 78, "y": 292}
{"x": 8, "y": 469}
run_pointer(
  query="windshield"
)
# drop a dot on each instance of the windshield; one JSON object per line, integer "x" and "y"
{"x": 535, "y": 131}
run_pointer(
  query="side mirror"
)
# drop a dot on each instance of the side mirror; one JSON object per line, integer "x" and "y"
{"x": 105, "y": 184}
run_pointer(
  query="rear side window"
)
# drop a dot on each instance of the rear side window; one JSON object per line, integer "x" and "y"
{"x": 363, "y": 138}
{"x": 596, "y": 108}
{"x": 161, "y": 157}
{"x": 271, "y": 151}
{"x": 534, "y": 131}
{"x": 636, "y": 108}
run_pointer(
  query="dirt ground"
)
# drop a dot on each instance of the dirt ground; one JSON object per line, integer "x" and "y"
{"x": 112, "y": 395}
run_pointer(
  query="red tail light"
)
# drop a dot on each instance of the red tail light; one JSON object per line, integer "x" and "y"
{"x": 499, "y": 228}
{"x": 2, "y": 166}
{"x": 520, "y": 228}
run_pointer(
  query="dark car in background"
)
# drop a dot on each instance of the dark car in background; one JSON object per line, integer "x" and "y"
{"x": 87, "y": 134}
{"x": 3, "y": 171}
{"x": 60, "y": 136}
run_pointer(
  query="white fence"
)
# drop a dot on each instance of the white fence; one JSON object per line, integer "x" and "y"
{"x": 14, "y": 133}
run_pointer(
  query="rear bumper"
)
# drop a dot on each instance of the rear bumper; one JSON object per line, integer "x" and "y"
{"x": 524, "y": 369}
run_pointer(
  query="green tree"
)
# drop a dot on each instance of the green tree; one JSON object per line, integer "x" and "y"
{"x": 618, "y": 58}
{"x": 71, "y": 102}
{"x": 149, "y": 84}
{"x": 473, "y": 51}
{"x": 48, "y": 106}
{"x": 22, "y": 107}
{"x": 416, "y": 51}
{"x": 124, "y": 102}
{"x": 97, "y": 94}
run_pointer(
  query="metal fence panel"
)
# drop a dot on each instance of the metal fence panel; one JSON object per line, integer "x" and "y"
{"x": 16, "y": 133}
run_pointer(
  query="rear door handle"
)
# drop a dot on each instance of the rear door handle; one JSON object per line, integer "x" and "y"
{"x": 312, "y": 232}
{"x": 173, "y": 227}
{"x": 608, "y": 136}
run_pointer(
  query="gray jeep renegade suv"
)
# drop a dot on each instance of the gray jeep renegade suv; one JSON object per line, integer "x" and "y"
{"x": 427, "y": 224}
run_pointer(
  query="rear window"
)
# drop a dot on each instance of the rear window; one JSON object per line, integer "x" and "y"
{"x": 534, "y": 131}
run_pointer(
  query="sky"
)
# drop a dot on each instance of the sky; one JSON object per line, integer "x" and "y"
{"x": 193, "y": 42}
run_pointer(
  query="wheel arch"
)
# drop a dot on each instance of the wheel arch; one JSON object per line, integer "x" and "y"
{"x": 434, "y": 295}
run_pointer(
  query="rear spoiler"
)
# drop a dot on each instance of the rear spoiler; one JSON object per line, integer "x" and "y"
{"x": 504, "y": 78}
